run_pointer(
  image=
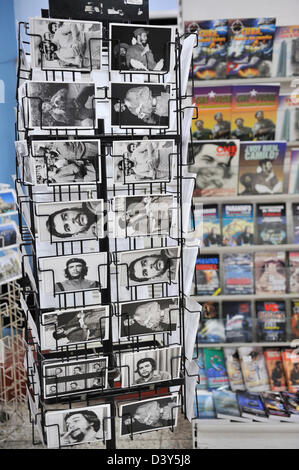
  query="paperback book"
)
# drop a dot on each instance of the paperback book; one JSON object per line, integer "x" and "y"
{"x": 291, "y": 401}
{"x": 209, "y": 56}
{"x": 226, "y": 405}
{"x": 290, "y": 360}
{"x": 295, "y": 319}
{"x": 233, "y": 368}
{"x": 250, "y": 47}
{"x": 252, "y": 406}
{"x": 238, "y": 322}
{"x": 271, "y": 321}
{"x": 261, "y": 168}
{"x": 271, "y": 224}
{"x": 254, "y": 369}
{"x": 294, "y": 272}
{"x": 270, "y": 273}
{"x": 207, "y": 280}
{"x": 215, "y": 368}
{"x": 204, "y": 405}
{"x": 275, "y": 407}
{"x": 211, "y": 226}
{"x": 275, "y": 370}
{"x": 211, "y": 328}
{"x": 238, "y": 274}
{"x": 237, "y": 224}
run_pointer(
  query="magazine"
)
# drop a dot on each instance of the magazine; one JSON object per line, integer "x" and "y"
{"x": 237, "y": 224}
{"x": 294, "y": 319}
{"x": 275, "y": 370}
{"x": 295, "y": 209}
{"x": 271, "y": 224}
{"x": 275, "y": 407}
{"x": 270, "y": 273}
{"x": 204, "y": 405}
{"x": 211, "y": 328}
{"x": 287, "y": 118}
{"x": 238, "y": 322}
{"x": 233, "y": 368}
{"x": 251, "y": 406}
{"x": 238, "y": 274}
{"x": 254, "y": 369}
{"x": 207, "y": 281}
{"x": 271, "y": 321}
{"x": 227, "y": 406}
{"x": 290, "y": 360}
{"x": 286, "y": 45}
{"x": 215, "y": 368}
{"x": 211, "y": 226}
{"x": 294, "y": 272}
{"x": 294, "y": 172}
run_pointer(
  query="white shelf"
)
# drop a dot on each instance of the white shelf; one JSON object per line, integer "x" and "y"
{"x": 277, "y": 344}
{"x": 260, "y": 198}
{"x": 244, "y": 297}
{"x": 244, "y": 81}
{"x": 247, "y": 249}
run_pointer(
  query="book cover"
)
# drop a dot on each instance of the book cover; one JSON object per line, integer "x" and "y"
{"x": 291, "y": 402}
{"x": 212, "y": 114}
{"x": 237, "y": 224}
{"x": 238, "y": 274}
{"x": 204, "y": 405}
{"x": 271, "y": 224}
{"x": 285, "y": 61}
{"x": 290, "y": 359}
{"x": 294, "y": 272}
{"x": 295, "y": 210}
{"x": 250, "y": 47}
{"x": 215, "y": 368}
{"x": 211, "y": 328}
{"x": 254, "y": 369}
{"x": 252, "y": 406}
{"x": 202, "y": 376}
{"x": 270, "y": 273}
{"x": 294, "y": 319}
{"x": 275, "y": 370}
{"x": 294, "y": 172}
{"x": 271, "y": 321}
{"x": 209, "y": 56}
{"x": 261, "y": 168}
{"x": 211, "y": 226}
{"x": 275, "y": 406}
{"x": 287, "y": 118}
{"x": 226, "y": 405}
{"x": 233, "y": 367}
{"x": 207, "y": 280}
{"x": 254, "y": 112}
{"x": 238, "y": 321}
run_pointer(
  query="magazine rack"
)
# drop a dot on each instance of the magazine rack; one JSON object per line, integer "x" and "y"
{"x": 108, "y": 346}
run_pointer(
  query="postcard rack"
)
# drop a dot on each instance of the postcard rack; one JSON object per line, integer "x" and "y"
{"x": 114, "y": 285}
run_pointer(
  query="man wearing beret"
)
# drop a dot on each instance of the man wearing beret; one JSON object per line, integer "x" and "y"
{"x": 139, "y": 54}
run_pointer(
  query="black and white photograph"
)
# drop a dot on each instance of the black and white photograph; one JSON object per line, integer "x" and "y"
{"x": 148, "y": 317}
{"x": 52, "y": 105}
{"x": 68, "y": 327}
{"x": 65, "y": 45}
{"x": 24, "y": 161}
{"x": 149, "y": 415}
{"x": 136, "y": 105}
{"x": 150, "y": 366}
{"x": 143, "y": 161}
{"x": 8, "y": 235}
{"x": 152, "y": 215}
{"x": 70, "y": 221}
{"x": 76, "y": 273}
{"x": 78, "y": 426}
{"x": 66, "y": 162}
{"x": 152, "y": 266}
{"x": 99, "y": 10}
{"x": 71, "y": 377}
{"x": 141, "y": 49}
{"x": 10, "y": 267}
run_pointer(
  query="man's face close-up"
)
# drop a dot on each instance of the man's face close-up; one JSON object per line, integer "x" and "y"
{"x": 75, "y": 270}
{"x": 149, "y": 267}
{"x": 71, "y": 222}
{"x": 267, "y": 168}
{"x": 148, "y": 414}
{"x": 145, "y": 369}
{"x": 210, "y": 165}
{"x": 78, "y": 426}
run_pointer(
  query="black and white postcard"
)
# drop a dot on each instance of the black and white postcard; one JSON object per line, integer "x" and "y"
{"x": 70, "y": 221}
{"x": 149, "y": 415}
{"x": 72, "y": 377}
{"x": 78, "y": 426}
{"x": 68, "y": 327}
{"x": 152, "y": 266}
{"x": 66, "y": 162}
{"x": 65, "y": 45}
{"x": 148, "y": 317}
{"x": 10, "y": 266}
{"x": 141, "y": 49}
{"x": 24, "y": 161}
{"x": 99, "y": 10}
{"x": 74, "y": 274}
{"x": 8, "y": 235}
{"x": 135, "y": 105}
{"x": 152, "y": 215}
{"x": 150, "y": 366}
{"x": 143, "y": 161}
{"x": 52, "y": 105}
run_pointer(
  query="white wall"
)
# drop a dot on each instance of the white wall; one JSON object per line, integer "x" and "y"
{"x": 286, "y": 11}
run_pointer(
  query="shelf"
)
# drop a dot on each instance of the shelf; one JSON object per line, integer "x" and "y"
{"x": 244, "y": 81}
{"x": 244, "y": 297}
{"x": 248, "y": 199}
{"x": 248, "y": 249}
{"x": 287, "y": 344}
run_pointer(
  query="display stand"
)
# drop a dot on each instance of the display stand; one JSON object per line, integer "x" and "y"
{"x": 111, "y": 347}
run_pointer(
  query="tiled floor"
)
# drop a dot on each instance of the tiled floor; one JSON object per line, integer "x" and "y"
{"x": 17, "y": 434}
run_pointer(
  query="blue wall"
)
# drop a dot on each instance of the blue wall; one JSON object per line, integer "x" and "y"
{"x": 8, "y": 64}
